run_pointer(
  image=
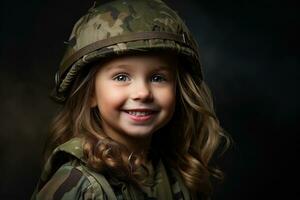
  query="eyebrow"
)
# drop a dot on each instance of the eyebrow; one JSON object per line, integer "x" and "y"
{"x": 116, "y": 67}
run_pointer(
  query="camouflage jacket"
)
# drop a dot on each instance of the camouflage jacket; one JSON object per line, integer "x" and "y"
{"x": 65, "y": 179}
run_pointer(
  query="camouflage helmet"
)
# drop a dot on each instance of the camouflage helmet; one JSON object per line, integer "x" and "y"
{"x": 123, "y": 26}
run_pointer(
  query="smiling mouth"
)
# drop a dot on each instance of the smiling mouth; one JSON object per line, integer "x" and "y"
{"x": 140, "y": 115}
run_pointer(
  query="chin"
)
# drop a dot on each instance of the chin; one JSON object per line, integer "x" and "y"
{"x": 139, "y": 133}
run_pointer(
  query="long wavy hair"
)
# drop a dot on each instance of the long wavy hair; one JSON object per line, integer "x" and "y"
{"x": 186, "y": 143}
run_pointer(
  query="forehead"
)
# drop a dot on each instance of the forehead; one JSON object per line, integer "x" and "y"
{"x": 149, "y": 60}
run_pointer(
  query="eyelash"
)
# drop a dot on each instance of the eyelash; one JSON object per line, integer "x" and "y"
{"x": 161, "y": 77}
{"x": 120, "y": 77}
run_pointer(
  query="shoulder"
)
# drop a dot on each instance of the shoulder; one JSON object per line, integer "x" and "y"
{"x": 71, "y": 181}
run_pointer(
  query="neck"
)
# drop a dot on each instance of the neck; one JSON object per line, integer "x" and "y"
{"x": 135, "y": 145}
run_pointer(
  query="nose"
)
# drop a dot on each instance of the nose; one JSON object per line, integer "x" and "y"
{"x": 141, "y": 91}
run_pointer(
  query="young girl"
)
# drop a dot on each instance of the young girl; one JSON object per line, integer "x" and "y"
{"x": 137, "y": 120}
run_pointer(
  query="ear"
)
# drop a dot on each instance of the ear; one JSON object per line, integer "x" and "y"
{"x": 93, "y": 101}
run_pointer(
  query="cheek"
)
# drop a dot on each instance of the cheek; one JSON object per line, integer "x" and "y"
{"x": 167, "y": 98}
{"x": 109, "y": 98}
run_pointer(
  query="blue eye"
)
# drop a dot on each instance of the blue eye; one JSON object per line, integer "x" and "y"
{"x": 158, "y": 78}
{"x": 121, "y": 77}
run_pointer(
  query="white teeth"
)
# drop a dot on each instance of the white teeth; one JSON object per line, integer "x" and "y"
{"x": 138, "y": 113}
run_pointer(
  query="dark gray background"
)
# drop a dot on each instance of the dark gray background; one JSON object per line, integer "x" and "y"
{"x": 250, "y": 54}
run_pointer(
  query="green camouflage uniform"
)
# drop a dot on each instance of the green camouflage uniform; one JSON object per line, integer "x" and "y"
{"x": 108, "y": 30}
{"x": 66, "y": 177}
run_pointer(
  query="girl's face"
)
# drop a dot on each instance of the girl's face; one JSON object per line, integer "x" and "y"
{"x": 135, "y": 95}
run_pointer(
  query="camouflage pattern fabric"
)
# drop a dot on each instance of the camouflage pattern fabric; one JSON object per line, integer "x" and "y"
{"x": 66, "y": 177}
{"x": 124, "y": 26}
{"x": 69, "y": 182}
